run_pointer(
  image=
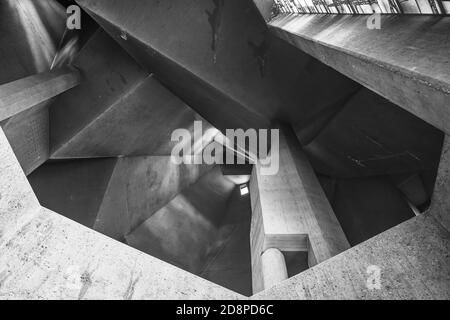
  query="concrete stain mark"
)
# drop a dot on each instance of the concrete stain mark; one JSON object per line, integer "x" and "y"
{"x": 4, "y": 275}
{"x": 215, "y": 21}
{"x": 128, "y": 295}
{"x": 260, "y": 52}
{"x": 86, "y": 283}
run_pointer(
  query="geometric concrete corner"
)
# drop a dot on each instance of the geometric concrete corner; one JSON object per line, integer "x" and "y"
{"x": 46, "y": 256}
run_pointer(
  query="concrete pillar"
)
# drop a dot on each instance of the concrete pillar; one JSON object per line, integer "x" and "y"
{"x": 290, "y": 210}
{"x": 274, "y": 268}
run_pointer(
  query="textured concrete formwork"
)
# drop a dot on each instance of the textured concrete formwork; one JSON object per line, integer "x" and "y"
{"x": 46, "y": 256}
{"x": 290, "y": 210}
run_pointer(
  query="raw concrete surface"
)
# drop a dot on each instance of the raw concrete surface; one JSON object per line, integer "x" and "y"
{"x": 220, "y": 59}
{"x": 46, "y": 256}
{"x": 440, "y": 206}
{"x": 199, "y": 231}
{"x": 371, "y": 136}
{"x": 73, "y": 188}
{"x": 406, "y": 61}
{"x": 413, "y": 258}
{"x": 138, "y": 188}
{"x": 368, "y": 206}
{"x": 32, "y": 31}
{"x": 107, "y": 74}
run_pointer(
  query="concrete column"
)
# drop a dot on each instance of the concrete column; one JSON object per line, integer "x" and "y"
{"x": 274, "y": 268}
{"x": 290, "y": 210}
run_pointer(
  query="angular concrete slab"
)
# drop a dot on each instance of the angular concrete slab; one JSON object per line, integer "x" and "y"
{"x": 221, "y": 61}
{"x": 73, "y": 188}
{"x": 55, "y": 258}
{"x": 107, "y": 74}
{"x": 371, "y": 137}
{"x": 18, "y": 204}
{"x": 183, "y": 231}
{"x": 406, "y": 61}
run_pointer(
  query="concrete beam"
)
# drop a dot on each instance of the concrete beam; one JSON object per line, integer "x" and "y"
{"x": 406, "y": 61}
{"x": 23, "y": 94}
{"x": 291, "y": 211}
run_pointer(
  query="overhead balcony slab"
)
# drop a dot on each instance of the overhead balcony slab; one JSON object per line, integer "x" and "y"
{"x": 405, "y": 61}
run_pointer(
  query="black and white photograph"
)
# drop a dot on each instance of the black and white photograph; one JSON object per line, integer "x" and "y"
{"x": 225, "y": 156}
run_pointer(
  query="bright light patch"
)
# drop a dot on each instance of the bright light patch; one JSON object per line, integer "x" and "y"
{"x": 244, "y": 190}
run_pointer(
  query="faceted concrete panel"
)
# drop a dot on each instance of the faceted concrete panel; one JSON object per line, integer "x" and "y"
{"x": 73, "y": 188}
{"x": 138, "y": 188}
{"x": 107, "y": 74}
{"x": 222, "y": 50}
{"x": 371, "y": 137}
